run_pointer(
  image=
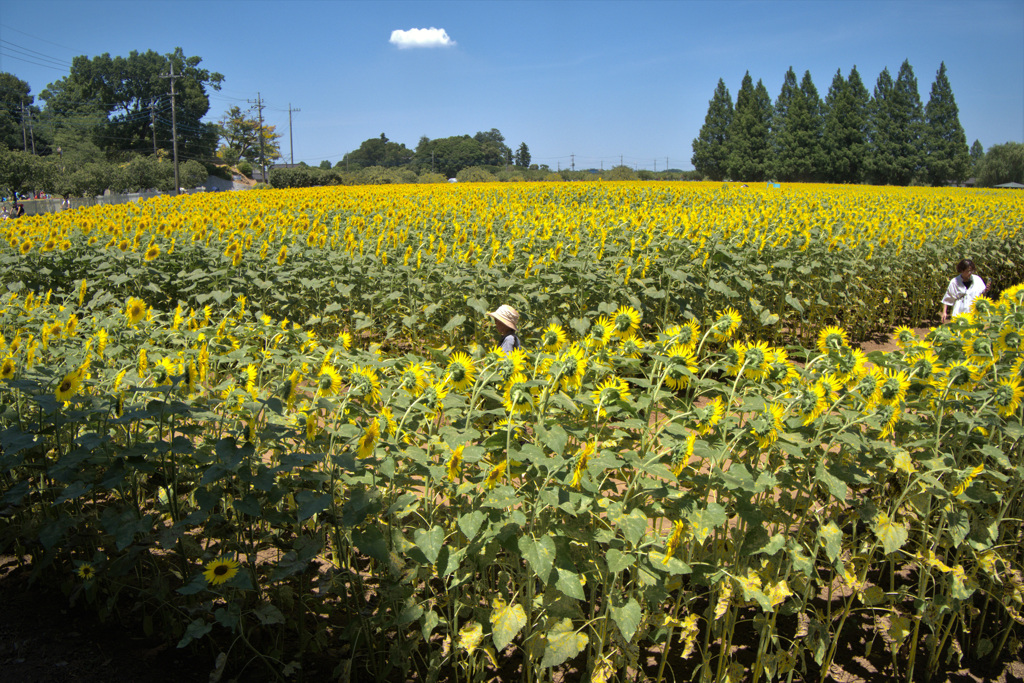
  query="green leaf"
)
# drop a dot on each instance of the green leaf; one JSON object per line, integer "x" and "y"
{"x": 889, "y": 532}
{"x": 563, "y": 643}
{"x": 430, "y": 542}
{"x": 540, "y": 554}
{"x": 506, "y": 622}
{"x": 627, "y": 618}
{"x": 618, "y": 560}
{"x": 569, "y": 583}
{"x": 831, "y": 538}
{"x": 835, "y": 486}
{"x": 196, "y": 630}
{"x": 470, "y": 523}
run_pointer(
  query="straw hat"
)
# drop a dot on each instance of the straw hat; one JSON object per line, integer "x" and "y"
{"x": 507, "y": 315}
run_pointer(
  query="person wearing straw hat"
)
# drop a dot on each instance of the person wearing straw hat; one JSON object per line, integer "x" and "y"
{"x": 506, "y": 320}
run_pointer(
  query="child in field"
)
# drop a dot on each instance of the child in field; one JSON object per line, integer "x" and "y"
{"x": 962, "y": 290}
{"x": 506, "y": 320}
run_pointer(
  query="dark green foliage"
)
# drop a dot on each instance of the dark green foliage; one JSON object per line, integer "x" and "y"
{"x": 977, "y": 153}
{"x": 711, "y": 147}
{"x": 844, "y": 138}
{"x": 945, "y": 144}
{"x": 451, "y": 155}
{"x": 1002, "y": 164}
{"x": 378, "y": 152}
{"x": 121, "y": 90}
{"x": 14, "y": 93}
{"x": 523, "y": 156}
{"x": 896, "y": 125}
{"x": 797, "y": 131}
{"x": 749, "y": 133}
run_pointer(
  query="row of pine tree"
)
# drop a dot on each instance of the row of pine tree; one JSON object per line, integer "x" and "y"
{"x": 886, "y": 138}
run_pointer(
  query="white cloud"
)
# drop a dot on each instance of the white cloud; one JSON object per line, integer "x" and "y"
{"x": 421, "y": 37}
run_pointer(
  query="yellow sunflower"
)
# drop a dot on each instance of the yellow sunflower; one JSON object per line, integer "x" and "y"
{"x": 1007, "y": 396}
{"x": 365, "y": 382}
{"x": 756, "y": 360}
{"x": 221, "y": 570}
{"x": 708, "y": 416}
{"x": 894, "y": 387}
{"x": 680, "y": 366}
{"x": 329, "y": 382}
{"x": 600, "y": 333}
{"x": 86, "y": 571}
{"x": 631, "y": 346}
{"x": 811, "y": 403}
{"x": 570, "y": 367}
{"x": 135, "y": 310}
{"x": 517, "y": 397}
{"x": 368, "y": 440}
{"x": 151, "y": 253}
{"x": 625, "y": 321}
{"x": 70, "y": 385}
{"x": 553, "y": 338}
{"x": 832, "y": 338}
{"x": 8, "y": 368}
{"x": 726, "y": 324}
{"x": 766, "y": 424}
{"x": 904, "y": 337}
{"x": 454, "y": 465}
{"x": 611, "y": 390}
{"x": 414, "y": 379}
{"x": 462, "y": 371}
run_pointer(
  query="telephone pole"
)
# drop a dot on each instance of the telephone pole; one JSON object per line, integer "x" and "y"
{"x": 290, "y": 146}
{"x": 174, "y": 127}
{"x": 152, "y": 120}
{"x": 572, "y": 157}
{"x": 263, "y": 157}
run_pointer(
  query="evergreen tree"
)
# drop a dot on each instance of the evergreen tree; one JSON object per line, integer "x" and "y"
{"x": 812, "y": 127}
{"x": 749, "y": 133}
{"x": 523, "y": 156}
{"x": 977, "y": 154}
{"x": 797, "y": 127}
{"x": 945, "y": 144}
{"x": 782, "y": 139}
{"x": 896, "y": 127}
{"x": 711, "y": 147}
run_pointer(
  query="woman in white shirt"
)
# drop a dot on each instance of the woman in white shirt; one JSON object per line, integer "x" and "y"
{"x": 962, "y": 290}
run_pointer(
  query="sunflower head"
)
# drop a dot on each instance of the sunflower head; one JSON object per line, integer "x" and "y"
{"x": 726, "y": 324}
{"x": 553, "y": 338}
{"x": 832, "y": 338}
{"x": 461, "y": 371}
{"x": 220, "y": 570}
{"x": 625, "y": 321}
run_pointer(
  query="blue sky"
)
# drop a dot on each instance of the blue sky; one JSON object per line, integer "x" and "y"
{"x": 582, "y": 83}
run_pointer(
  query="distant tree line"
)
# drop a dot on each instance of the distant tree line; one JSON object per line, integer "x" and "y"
{"x": 107, "y": 125}
{"x": 884, "y": 138}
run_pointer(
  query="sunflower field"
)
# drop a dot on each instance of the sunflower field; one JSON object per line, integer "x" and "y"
{"x": 272, "y": 425}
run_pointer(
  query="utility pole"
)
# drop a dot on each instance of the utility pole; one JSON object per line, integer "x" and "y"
{"x": 290, "y": 146}
{"x": 263, "y": 157}
{"x": 174, "y": 127}
{"x": 655, "y": 165}
{"x": 620, "y": 160}
{"x": 572, "y": 158}
{"x": 24, "y": 134}
{"x": 153, "y": 123}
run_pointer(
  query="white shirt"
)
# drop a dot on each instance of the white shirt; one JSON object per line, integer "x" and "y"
{"x": 960, "y": 297}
